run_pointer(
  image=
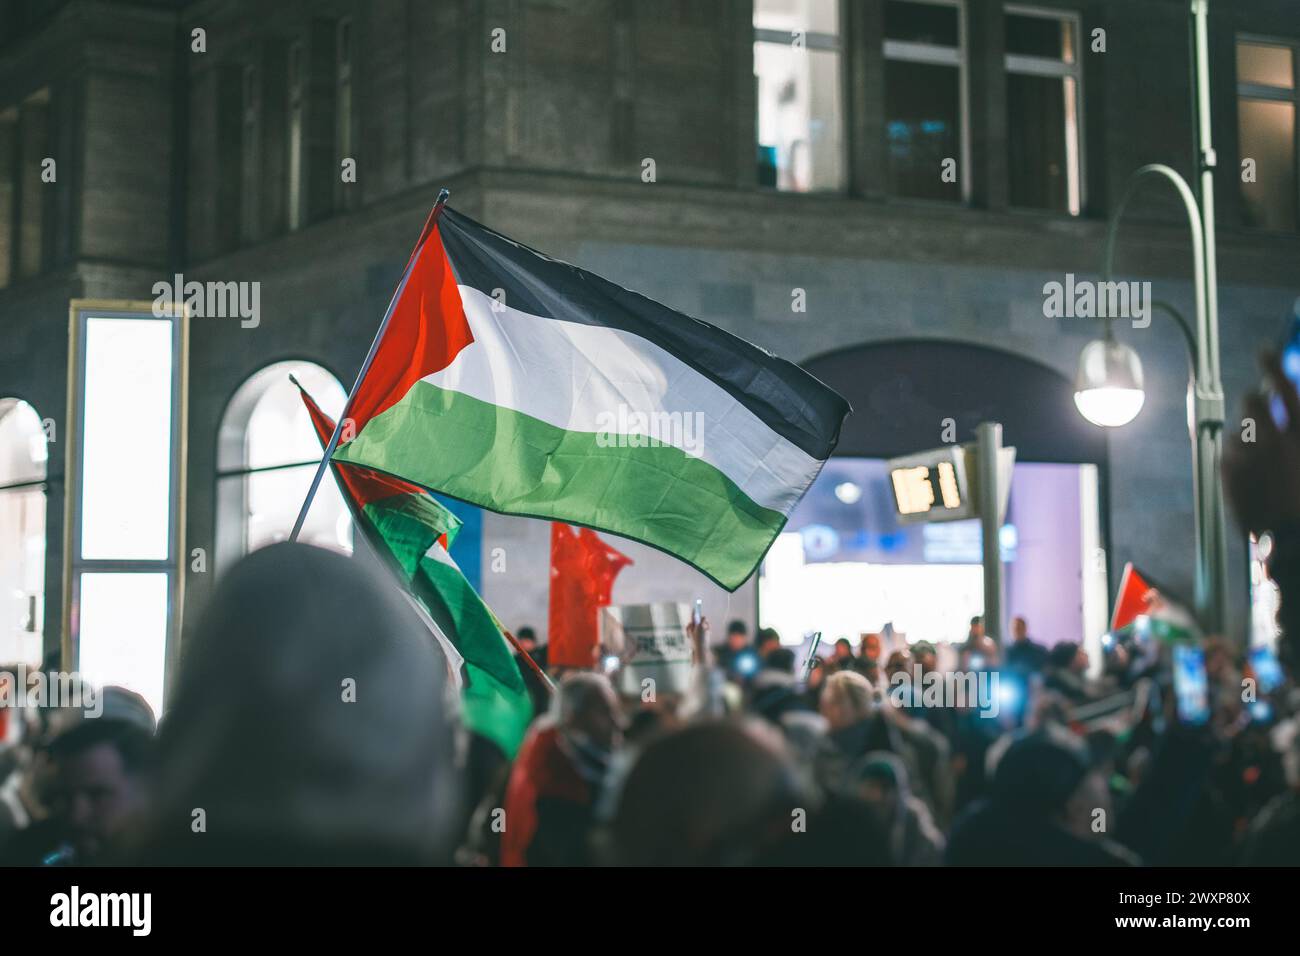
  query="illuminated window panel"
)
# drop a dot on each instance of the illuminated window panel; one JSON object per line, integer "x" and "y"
{"x": 123, "y": 632}
{"x": 798, "y": 79}
{"x": 123, "y": 585}
{"x": 127, "y": 444}
{"x": 23, "y": 455}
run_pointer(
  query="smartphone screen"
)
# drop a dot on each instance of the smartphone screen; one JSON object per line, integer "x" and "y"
{"x": 1268, "y": 672}
{"x": 1191, "y": 689}
{"x": 1290, "y": 354}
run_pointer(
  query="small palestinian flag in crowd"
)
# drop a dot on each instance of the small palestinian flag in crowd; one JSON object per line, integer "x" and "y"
{"x": 527, "y": 386}
{"x": 1142, "y": 608}
{"x": 411, "y": 532}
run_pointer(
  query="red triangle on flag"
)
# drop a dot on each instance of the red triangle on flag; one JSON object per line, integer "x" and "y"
{"x": 1132, "y": 599}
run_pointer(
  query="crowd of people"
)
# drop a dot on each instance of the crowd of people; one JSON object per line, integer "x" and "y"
{"x": 313, "y": 720}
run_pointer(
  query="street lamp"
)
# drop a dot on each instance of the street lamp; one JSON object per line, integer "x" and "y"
{"x": 1109, "y": 390}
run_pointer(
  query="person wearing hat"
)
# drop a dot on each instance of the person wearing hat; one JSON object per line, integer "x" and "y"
{"x": 1040, "y": 812}
{"x": 880, "y": 780}
{"x": 337, "y": 748}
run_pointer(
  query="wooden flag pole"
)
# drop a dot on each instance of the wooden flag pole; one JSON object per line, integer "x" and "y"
{"x": 429, "y": 223}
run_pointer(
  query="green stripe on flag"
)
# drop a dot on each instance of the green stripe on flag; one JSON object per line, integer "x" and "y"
{"x": 495, "y": 700}
{"x": 408, "y": 525}
{"x": 513, "y": 463}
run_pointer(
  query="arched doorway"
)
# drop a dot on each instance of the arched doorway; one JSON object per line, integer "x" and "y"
{"x": 23, "y": 457}
{"x": 845, "y": 554}
{"x": 267, "y": 453}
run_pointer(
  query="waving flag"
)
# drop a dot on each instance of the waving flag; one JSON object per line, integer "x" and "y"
{"x": 1143, "y": 607}
{"x": 412, "y": 531}
{"x": 528, "y": 386}
{"x": 583, "y": 569}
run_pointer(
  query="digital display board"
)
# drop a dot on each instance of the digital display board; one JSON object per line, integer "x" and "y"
{"x": 931, "y": 486}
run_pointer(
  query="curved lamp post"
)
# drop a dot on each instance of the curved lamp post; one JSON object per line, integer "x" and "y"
{"x": 1109, "y": 388}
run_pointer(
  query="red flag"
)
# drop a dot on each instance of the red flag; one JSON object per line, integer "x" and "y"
{"x": 583, "y": 569}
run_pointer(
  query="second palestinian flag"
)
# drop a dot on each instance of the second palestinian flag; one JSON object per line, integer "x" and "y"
{"x": 528, "y": 386}
{"x": 410, "y": 532}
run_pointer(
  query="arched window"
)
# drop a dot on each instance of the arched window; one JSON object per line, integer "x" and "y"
{"x": 267, "y": 452}
{"x": 23, "y": 455}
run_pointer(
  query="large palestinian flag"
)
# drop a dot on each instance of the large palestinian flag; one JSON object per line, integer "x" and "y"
{"x": 411, "y": 532}
{"x": 527, "y": 386}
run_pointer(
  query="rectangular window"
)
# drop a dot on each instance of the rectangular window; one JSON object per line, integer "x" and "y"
{"x": 123, "y": 633}
{"x": 799, "y": 82}
{"x": 1266, "y": 124}
{"x": 927, "y": 156}
{"x": 128, "y": 381}
{"x": 124, "y": 509}
{"x": 297, "y": 105}
{"x": 1044, "y": 109}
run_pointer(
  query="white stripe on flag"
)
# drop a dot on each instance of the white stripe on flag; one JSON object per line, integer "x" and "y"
{"x": 455, "y": 661}
{"x": 585, "y": 378}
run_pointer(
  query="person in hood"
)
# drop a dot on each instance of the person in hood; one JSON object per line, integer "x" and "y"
{"x": 559, "y": 773}
{"x": 310, "y": 724}
{"x": 1040, "y": 811}
{"x": 881, "y": 781}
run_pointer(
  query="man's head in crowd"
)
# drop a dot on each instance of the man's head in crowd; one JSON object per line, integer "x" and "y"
{"x": 586, "y": 709}
{"x": 900, "y": 662}
{"x": 713, "y": 793}
{"x": 103, "y": 770}
{"x": 1048, "y": 774}
{"x": 879, "y": 780}
{"x": 737, "y": 636}
{"x": 1019, "y": 629}
{"x": 767, "y": 641}
{"x": 843, "y": 650}
{"x": 782, "y": 659}
{"x": 335, "y": 748}
{"x": 1068, "y": 656}
{"x": 976, "y": 628}
{"x": 925, "y": 655}
{"x": 527, "y": 639}
{"x": 846, "y": 699}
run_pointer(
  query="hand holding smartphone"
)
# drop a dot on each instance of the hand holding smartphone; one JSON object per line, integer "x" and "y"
{"x": 1191, "y": 686}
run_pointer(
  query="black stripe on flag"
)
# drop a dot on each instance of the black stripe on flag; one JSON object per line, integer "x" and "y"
{"x": 787, "y": 399}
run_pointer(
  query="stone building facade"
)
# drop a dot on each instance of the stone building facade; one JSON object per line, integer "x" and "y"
{"x": 223, "y": 163}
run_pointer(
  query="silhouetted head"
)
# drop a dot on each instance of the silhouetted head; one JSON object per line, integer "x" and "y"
{"x": 713, "y": 793}
{"x": 309, "y": 723}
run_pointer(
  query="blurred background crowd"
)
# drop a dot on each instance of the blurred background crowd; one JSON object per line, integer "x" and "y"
{"x": 315, "y": 721}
